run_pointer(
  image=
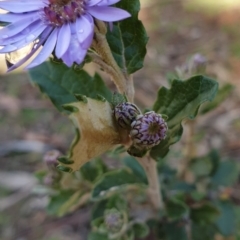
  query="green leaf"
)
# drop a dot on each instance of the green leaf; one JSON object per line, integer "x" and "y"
{"x": 181, "y": 101}
{"x": 205, "y": 214}
{"x": 226, "y": 174}
{"x": 172, "y": 231}
{"x": 113, "y": 181}
{"x": 61, "y": 83}
{"x": 203, "y": 232}
{"x": 215, "y": 160}
{"x": 226, "y": 222}
{"x": 128, "y": 38}
{"x": 118, "y": 98}
{"x": 98, "y": 209}
{"x": 56, "y": 201}
{"x": 92, "y": 170}
{"x": 176, "y": 209}
{"x": 97, "y": 236}
{"x": 136, "y": 168}
{"x": 201, "y": 166}
{"x": 141, "y": 230}
{"x": 64, "y": 202}
{"x": 221, "y": 96}
{"x": 116, "y": 201}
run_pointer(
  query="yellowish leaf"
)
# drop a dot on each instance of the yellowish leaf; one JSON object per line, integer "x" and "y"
{"x": 96, "y": 132}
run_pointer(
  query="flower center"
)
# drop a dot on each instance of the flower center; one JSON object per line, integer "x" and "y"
{"x": 59, "y": 12}
{"x": 154, "y": 128}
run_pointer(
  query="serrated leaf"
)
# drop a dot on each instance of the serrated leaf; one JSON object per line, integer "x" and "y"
{"x": 96, "y": 132}
{"x": 128, "y": 38}
{"x": 113, "y": 181}
{"x": 61, "y": 83}
{"x": 181, "y": 101}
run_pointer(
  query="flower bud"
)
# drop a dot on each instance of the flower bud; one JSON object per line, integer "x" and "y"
{"x": 50, "y": 158}
{"x": 148, "y": 130}
{"x": 125, "y": 113}
{"x": 113, "y": 220}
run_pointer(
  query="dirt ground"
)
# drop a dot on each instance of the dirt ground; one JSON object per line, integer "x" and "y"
{"x": 29, "y": 124}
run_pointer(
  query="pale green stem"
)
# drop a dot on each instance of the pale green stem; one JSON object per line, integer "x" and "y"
{"x": 154, "y": 188}
{"x": 124, "y": 83}
{"x": 190, "y": 153}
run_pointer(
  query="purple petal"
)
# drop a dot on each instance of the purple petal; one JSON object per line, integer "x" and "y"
{"x": 34, "y": 49}
{"x": 64, "y": 37}
{"x": 85, "y": 30}
{"x": 17, "y": 27}
{"x": 20, "y": 6}
{"x": 107, "y": 2}
{"x": 23, "y": 34}
{"x": 108, "y": 14}
{"x": 13, "y": 17}
{"x": 24, "y": 42}
{"x": 46, "y": 50}
{"x": 70, "y": 56}
{"x": 93, "y": 2}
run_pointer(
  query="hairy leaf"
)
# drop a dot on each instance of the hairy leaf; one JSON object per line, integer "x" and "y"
{"x": 181, "y": 101}
{"x": 113, "y": 181}
{"x": 128, "y": 38}
{"x": 61, "y": 83}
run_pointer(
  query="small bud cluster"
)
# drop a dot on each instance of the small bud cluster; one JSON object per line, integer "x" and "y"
{"x": 146, "y": 130}
{"x": 113, "y": 220}
{"x": 50, "y": 158}
{"x": 125, "y": 113}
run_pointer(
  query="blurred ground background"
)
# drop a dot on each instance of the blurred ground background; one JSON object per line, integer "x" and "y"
{"x": 29, "y": 123}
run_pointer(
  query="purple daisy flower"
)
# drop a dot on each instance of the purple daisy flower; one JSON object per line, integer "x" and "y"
{"x": 63, "y": 26}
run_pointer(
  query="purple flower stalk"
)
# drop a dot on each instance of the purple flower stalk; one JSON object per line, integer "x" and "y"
{"x": 63, "y": 26}
{"x": 148, "y": 130}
